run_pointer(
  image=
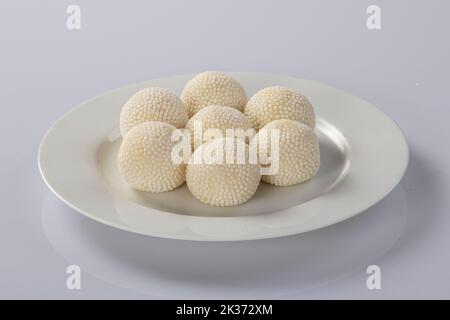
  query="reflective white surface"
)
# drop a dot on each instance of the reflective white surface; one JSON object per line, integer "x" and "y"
{"x": 403, "y": 69}
{"x": 364, "y": 156}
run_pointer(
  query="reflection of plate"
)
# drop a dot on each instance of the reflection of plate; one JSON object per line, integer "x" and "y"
{"x": 267, "y": 269}
{"x": 364, "y": 155}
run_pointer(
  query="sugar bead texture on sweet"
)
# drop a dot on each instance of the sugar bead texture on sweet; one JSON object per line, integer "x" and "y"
{"x": 220, "y": 118}
{"x": 299, "y": 152}
{"x": 213, "y": 88}
{"x": 273, "y": 103}
{"x": 153, "y": 104}
{"x": 145, "y": 160}
{"x": 222, "y": 184}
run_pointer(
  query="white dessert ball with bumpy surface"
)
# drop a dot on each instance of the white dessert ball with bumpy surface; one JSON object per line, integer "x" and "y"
{"x": 275, "y": 103}
{"x": 145, "y": 158}
{"x": 153, "y": 104}
{"x": 219, "y": 182}
{"x": 216, "y": 118}
{"x": 298, "y": 152}
{"x": 213, "y": 88}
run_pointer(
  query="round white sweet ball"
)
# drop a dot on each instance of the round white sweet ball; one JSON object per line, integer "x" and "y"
{"x": 274, "y": 103}
{"x": 220, "y": 182}
{"x": 153, "y": 104}
{"x": 298, "y": 152}
{"x": 214, "y": 120}
{"x": 212, "y": 87}
{"x": 145, "y": 158}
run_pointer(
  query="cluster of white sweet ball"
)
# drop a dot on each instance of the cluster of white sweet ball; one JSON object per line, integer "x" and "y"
{"x": 150, "y": 117}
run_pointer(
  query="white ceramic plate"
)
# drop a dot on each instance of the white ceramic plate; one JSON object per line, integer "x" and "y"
{"x": 363, "y": 157}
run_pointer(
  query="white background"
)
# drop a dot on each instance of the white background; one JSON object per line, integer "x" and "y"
{"x": 46, "y": 69}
